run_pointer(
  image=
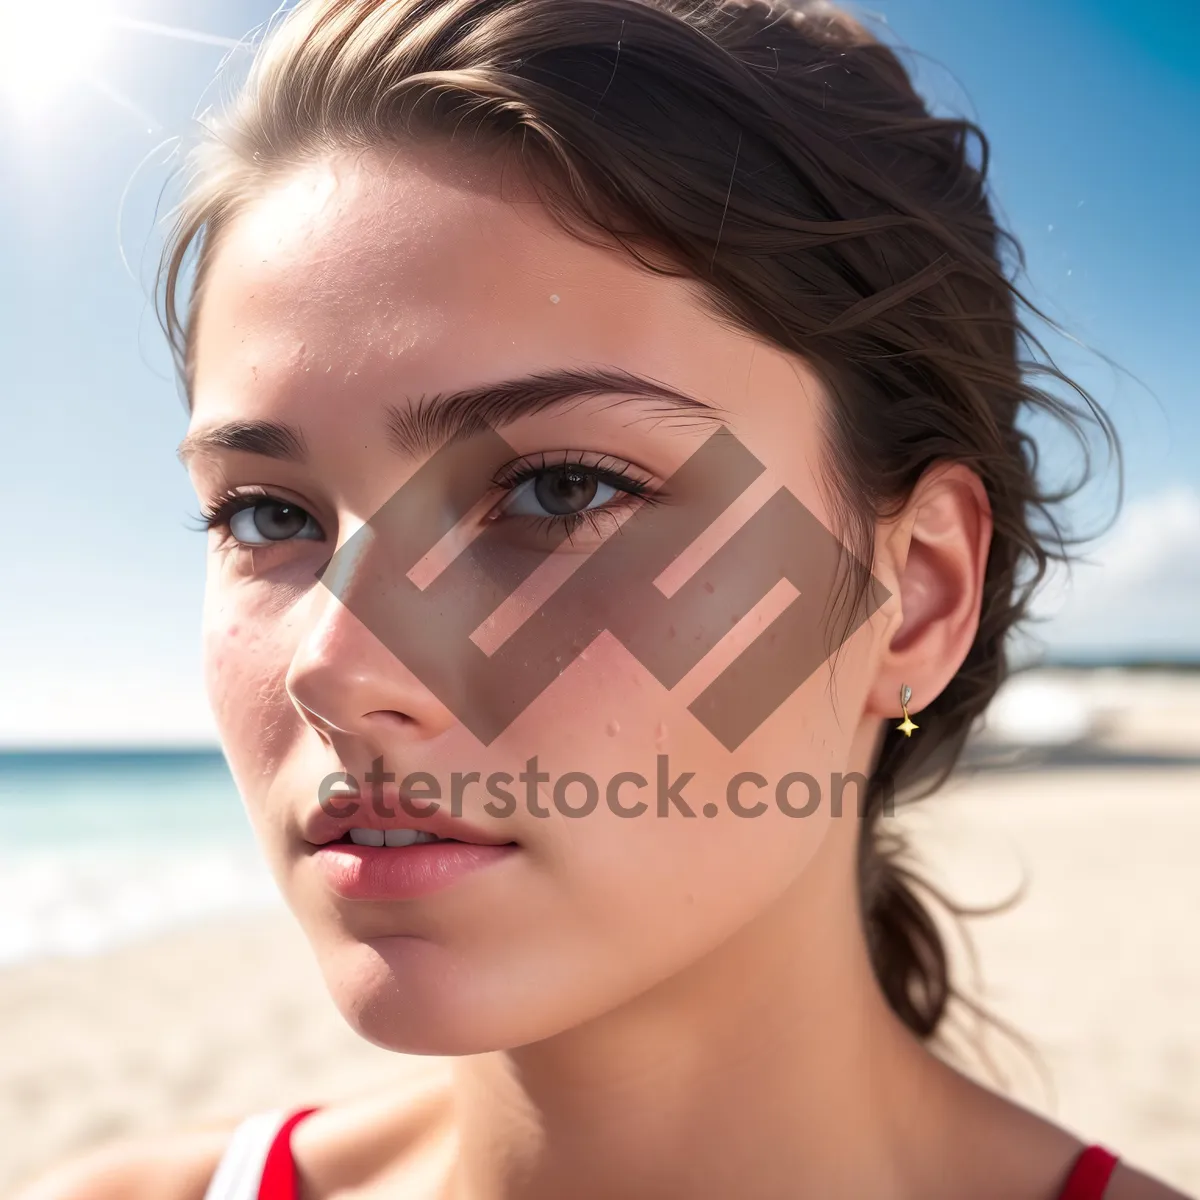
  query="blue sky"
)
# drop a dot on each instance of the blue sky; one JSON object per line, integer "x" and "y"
{"x": 1092, "y": 110}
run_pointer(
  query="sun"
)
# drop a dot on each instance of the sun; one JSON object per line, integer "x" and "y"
{"x": 48, "y": 46}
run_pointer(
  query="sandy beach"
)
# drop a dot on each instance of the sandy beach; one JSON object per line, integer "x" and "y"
{"x": 1098, "y": 965}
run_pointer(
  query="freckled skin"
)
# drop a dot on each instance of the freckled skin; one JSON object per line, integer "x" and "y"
{"x": 351, "y": 285}
{"x": 331, "y": 296}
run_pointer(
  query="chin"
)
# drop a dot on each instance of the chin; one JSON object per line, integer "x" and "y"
{"x": 412, "y": 996}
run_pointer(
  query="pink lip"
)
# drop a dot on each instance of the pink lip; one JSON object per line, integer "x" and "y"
{"x": 402, "y": 872}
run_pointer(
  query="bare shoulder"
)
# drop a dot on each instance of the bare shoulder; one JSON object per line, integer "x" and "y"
{"x": 175, "y": 1166}
{"x": 1128, "y": 1184}
{"x": 356, "y": 1143}
{"x": 342, "y": 1144}
{"x": 1019, "y": 1152}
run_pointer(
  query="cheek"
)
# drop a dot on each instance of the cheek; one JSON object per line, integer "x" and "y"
{"x": 245, "y": 668}
{"x": 661, "y": 887}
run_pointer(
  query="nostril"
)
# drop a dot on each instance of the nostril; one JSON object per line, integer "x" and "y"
{"x": 391, "y": 716}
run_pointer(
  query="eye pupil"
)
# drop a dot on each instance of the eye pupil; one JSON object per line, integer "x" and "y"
{"x": 565, "y": 491}
{"x": 278, "y": 521}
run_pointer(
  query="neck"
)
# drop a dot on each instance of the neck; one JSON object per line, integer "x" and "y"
{"x": 778, "y": 1038}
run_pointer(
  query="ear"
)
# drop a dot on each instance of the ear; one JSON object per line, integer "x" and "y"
{"x": 936, "y": 553}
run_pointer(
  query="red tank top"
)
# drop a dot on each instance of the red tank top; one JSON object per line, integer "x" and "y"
{"x": 1088, "y": 1179}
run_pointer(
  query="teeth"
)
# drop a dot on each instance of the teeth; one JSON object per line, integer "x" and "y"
{"x": 407, "y": 837}
{"x": 390, "y": 837}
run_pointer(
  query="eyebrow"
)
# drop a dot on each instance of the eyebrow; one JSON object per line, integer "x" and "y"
{"x": 271, "y": 439}
{"x": 429, "y": 423}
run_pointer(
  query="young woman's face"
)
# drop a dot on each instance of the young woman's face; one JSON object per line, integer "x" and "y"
{"x": 346, "y": 303}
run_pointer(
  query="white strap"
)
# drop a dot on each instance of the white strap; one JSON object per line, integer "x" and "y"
{"x": 239, "y": 1172}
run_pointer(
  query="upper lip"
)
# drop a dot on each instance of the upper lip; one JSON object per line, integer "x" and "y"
{"x": 320, "y": 828}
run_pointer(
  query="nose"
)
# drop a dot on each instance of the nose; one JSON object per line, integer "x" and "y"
{"x": 344, "y": 682}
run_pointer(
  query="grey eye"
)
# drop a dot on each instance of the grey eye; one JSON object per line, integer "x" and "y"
{"x": 268, "y": 521}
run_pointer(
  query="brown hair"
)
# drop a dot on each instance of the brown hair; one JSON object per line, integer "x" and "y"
{"x": 778, "y": 155}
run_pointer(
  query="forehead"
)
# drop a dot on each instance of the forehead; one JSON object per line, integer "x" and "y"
{"x": 406, "y": 260}
{"x": 356, "y": 282}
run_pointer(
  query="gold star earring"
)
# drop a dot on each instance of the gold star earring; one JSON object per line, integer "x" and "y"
{"x": 906, "y": 726}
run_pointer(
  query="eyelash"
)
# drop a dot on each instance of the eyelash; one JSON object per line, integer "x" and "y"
{"x": 227, "y": 504}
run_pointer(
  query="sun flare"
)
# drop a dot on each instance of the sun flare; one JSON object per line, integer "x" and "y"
{"x": 49, "y": 46}
{"x": 52, "y": 46}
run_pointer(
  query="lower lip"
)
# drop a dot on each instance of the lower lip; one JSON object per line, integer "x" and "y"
{"x": 402, "y": 872}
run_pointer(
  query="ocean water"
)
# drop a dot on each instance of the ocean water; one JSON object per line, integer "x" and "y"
{"x": 100, "y": 848}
